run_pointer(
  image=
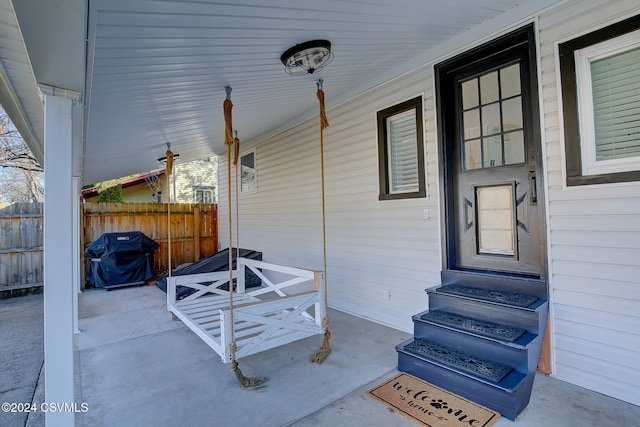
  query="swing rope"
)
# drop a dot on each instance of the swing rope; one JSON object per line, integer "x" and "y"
{"x": 168, "y": 171}
{"x": 246, "y": 383}
{"x": 325, "y": 348}
{"x": 236, "y": 142}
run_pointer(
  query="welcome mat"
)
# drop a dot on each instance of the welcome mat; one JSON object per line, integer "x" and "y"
{"x": 430, "y": 406}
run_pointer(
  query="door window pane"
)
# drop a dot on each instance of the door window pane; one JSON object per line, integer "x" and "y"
{"x": 514, "y": 148}
{"x": 472, "y": 154}
{"x": 471, "y": 124}
{"x": 495, "y": 220}
{"x": 491, "y": 119}
{"x": 489, "y": 88}
{"x": 470, "y": 94}
{"x": 512, "y": 114}
{"x": 492, "y": 147}
{"x": 510, "y": 81}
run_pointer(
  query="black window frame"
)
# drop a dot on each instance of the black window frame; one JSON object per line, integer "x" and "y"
{"x": 383, "y": 154}
{"x": 255, "y": 173}
{"x": 571, "y": 115}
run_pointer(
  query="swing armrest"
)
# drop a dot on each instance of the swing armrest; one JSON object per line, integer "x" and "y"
{"x": 196, "y": 281}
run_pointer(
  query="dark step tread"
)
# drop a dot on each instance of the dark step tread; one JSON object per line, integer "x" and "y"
{"x": 492, "y": 280}
{"x": 484, "y": 328}
{"x": 499, "y": 297}
{"x": 485, "y": 369}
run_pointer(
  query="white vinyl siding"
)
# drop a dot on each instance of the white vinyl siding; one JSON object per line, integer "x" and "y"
{"x": 594, "y": 246}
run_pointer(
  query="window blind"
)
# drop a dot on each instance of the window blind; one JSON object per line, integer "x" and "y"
{"x": 615, "y": 82}
{"x": 403, "y": 152}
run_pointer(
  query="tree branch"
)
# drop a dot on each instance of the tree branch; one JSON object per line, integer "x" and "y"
{"x": 24, "y": 168}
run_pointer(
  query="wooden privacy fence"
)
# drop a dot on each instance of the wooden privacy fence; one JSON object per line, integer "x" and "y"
{"x": 21, "y": 246}
{"x": 194, "y": 228}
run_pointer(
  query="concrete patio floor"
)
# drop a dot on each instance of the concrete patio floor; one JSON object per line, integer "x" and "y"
{"x": 137, "y": 367}
{"x": 21, "y": 357}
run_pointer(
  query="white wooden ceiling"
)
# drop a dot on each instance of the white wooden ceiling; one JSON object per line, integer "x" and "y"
{"x": 156, "y": 70}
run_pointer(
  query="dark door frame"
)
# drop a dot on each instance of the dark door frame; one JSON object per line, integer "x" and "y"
{"x": 444, "y": 76}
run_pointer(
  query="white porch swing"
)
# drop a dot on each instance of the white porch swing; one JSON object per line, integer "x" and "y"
{"x": 239, "y": 322}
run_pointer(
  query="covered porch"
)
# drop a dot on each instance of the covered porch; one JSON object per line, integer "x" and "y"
{"x": 101, "y": 89}
{"x": 135, "y": 367}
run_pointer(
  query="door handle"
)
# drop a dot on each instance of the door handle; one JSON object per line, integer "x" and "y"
{"x": 533, "y": 188}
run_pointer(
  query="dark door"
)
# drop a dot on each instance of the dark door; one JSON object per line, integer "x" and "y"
{"x": 488, "y": 106}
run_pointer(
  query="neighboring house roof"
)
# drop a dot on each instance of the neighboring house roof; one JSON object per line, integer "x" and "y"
{"x": 128, "y": 182}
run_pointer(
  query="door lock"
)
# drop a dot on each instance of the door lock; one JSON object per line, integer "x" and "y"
{"x": 533, "y": 188}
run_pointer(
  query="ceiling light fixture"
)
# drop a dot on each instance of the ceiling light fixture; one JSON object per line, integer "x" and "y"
{"x": 307, "y": 57}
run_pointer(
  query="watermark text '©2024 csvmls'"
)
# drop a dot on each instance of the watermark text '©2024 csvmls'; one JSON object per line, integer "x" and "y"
{"x": 45, "y": 407}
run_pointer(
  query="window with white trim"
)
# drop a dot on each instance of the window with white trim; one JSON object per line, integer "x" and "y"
{"x": 400, "y": 147}
{"x": 601, "y": 103}
{"x": 608, "y": 75}
{"x": 204, "y": 195}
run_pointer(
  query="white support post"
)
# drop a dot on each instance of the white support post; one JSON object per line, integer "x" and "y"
{"x": 58, "y": 254}
{"x": 76, "y": 251}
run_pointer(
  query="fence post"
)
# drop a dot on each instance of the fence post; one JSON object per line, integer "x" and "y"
{"x": 214, "y": 224}
{"x": 196, "y": 232}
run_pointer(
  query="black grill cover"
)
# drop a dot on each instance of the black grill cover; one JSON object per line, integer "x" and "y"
{"x": 121, "y": 258}
{"x": 216, "y": 262}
